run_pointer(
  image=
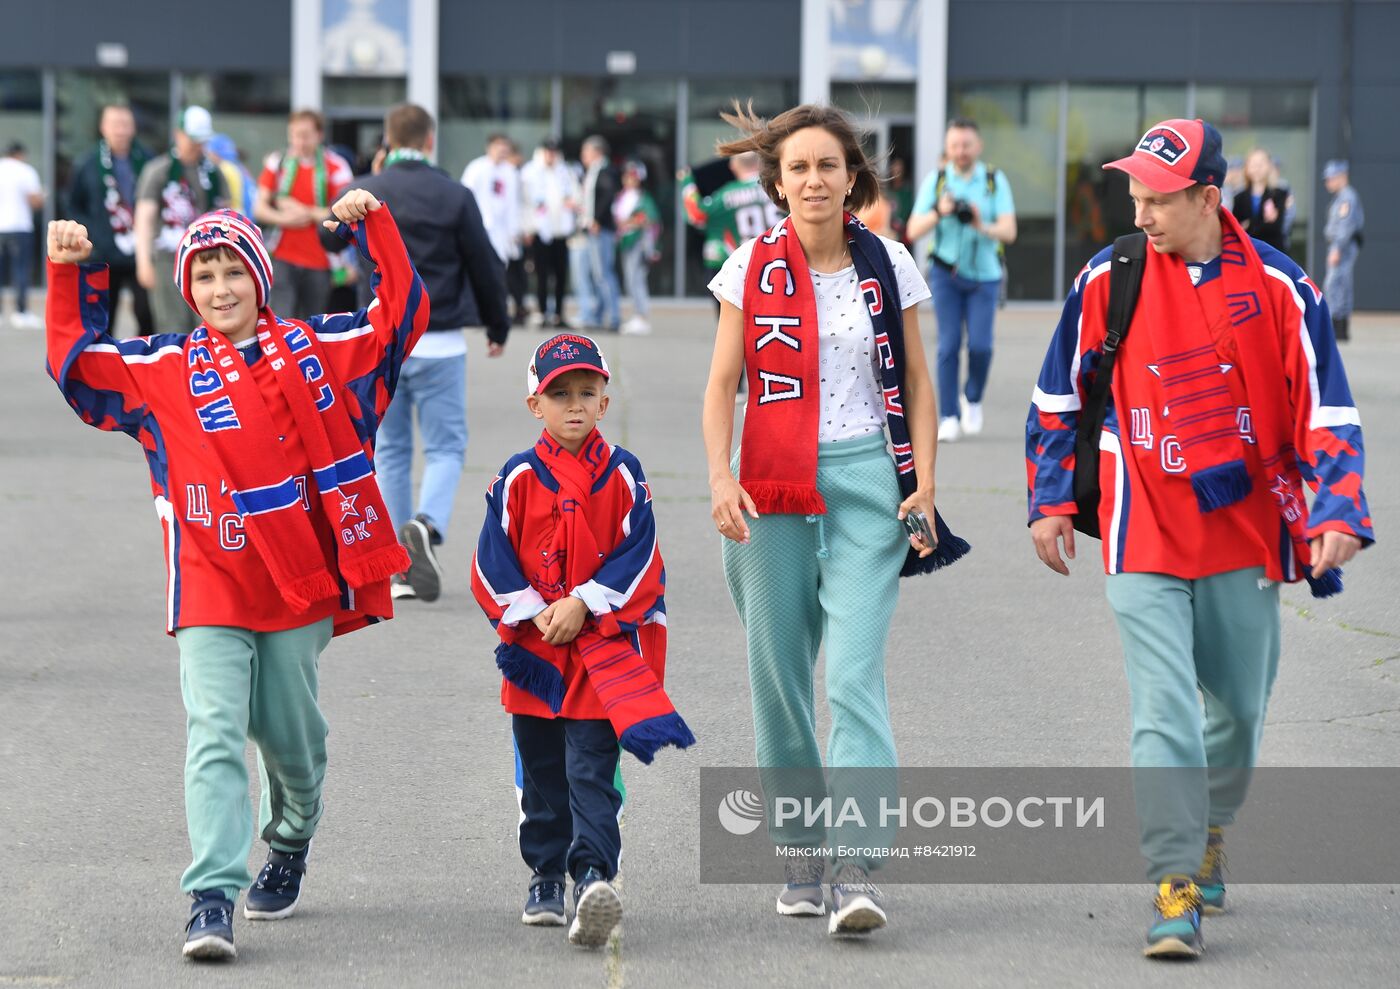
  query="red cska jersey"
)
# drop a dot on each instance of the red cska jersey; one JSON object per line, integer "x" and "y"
{"x": 1148, "y": 513}
{"x": 514, "y": 578}
{"x": 140, "y": 387}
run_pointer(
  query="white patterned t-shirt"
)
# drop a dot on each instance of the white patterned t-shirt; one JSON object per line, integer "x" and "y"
{"x": 852, "y": 401}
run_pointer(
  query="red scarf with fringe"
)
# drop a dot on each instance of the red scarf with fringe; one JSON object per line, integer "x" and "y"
{"x": 239, "y": 429}
{"x": 778, "y": 456}
{"x": 641, "y": 713}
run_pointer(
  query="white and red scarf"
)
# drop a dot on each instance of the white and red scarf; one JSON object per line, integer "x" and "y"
{"x": 239, "y": 429}
{"x": 778, "y": 456}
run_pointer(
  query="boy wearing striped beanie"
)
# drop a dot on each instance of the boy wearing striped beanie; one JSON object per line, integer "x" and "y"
{"x": 259, "y": 435}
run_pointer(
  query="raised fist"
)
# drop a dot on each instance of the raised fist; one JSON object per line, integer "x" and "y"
{"x": 352, "y": 207}
{"x": 68, "y": 242}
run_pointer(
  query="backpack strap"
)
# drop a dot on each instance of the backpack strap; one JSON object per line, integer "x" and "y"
{"x": 1124, "y": 283}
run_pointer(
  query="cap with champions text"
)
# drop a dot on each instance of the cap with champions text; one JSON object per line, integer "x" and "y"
{"x": 1176, "y": 154}
{"x": 560, "y": 354}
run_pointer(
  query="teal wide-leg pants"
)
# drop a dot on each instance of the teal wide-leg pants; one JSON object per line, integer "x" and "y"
{"x": 1201, "y": 658}
{"x": 833, "y": 579}
{"x": 240, "y": 685}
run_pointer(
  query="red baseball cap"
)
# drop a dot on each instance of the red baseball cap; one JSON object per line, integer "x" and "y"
{"x": 1175, "y": 154}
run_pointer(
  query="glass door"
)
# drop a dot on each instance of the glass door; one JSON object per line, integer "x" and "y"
{"x": 637, "y": 117}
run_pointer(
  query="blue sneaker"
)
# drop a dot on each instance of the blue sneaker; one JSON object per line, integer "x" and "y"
{"x": 1211, "y": 877}
{"x": 597, "y": 910}
{"x": 857, "y": 905}
{"x": 278, "y": 890}
{"x": 802, "y": 896}
{"x": 1175, "y": 931}
{"x": 209, "y": 931}
{"x": 544, "y": 905}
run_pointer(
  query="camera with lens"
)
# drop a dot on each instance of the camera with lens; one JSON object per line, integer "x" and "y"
{"x": 962, "y": 209}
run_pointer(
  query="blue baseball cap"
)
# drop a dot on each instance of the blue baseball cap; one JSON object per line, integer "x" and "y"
{"x": 560, "y": 354}
{"x": 1335, "y": 167}
{"x": 1176, "y": 154}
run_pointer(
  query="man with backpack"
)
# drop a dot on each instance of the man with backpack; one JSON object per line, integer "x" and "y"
{"x": 969, "y": 208}
{"x": 1204, "y": 424}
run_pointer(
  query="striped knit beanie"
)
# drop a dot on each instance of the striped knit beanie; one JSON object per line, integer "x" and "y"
{"x": 231, "y": 229}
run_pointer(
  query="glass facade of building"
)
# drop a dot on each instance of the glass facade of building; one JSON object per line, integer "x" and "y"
{"x": 1052, "y": 139}
{"x": 1049, "y": 139}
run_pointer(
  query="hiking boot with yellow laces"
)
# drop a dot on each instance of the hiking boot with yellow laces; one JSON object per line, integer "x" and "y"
{"x": 1211, "y": 878}
{"x": 1175, "y": 931}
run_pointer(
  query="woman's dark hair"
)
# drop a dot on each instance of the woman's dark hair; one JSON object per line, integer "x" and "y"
{"x": 766, "y": 137}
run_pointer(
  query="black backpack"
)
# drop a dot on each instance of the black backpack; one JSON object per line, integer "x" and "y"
{"x": 1124, "y": 282}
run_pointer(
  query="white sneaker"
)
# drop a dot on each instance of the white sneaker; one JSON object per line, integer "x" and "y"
{"x": 971, "y": 417}
{"x": 635, "y": 327}
{"x": 949, "y": 429}
{"x": 28, "y": 321}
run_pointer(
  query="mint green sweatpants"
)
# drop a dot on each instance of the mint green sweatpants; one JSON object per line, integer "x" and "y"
{"x": 807, "y": 580}
{"x": 1201, "y": 658}
{"x": 240, "y": 685}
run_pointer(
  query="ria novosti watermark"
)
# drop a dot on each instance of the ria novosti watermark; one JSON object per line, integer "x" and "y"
{"x": 741, "y": 812}
{"x": 1044, "y": 824}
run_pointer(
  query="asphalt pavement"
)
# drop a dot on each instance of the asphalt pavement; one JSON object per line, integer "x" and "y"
{"x": 416, "y": 879}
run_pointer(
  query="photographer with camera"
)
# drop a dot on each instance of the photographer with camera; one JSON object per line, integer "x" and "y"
{"x": 968, "y": 207}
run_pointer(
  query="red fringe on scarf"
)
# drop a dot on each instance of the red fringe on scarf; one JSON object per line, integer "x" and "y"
{"x": 302, "y": 593}
{"x": 784, "y": 498}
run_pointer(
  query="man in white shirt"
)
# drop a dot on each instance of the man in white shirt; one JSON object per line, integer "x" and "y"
{"x": 495, "y": 182}
{"x": 551, "y": 194}
{"x": 21, "y": 193}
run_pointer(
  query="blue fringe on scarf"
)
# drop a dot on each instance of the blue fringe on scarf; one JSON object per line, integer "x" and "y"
{"x": 530, "y": 673}
{"x": 1328, "y": 584}
{"x": 646, "y": 738}
{"x": 950, "y": 550}
{"x": 1221, "y": 485}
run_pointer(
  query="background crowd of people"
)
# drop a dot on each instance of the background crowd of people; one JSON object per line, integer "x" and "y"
{"x": 588, "y": 229}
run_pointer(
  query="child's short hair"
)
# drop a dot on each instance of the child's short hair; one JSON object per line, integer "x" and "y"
{"x": 220, "y": 253}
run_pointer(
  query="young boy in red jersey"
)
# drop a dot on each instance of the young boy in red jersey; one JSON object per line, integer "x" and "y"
{"x": 569, "y": 572}
{"x": 258, "y": 432}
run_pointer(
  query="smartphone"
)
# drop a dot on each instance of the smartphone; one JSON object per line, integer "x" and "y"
{"x": 916, "y": 524}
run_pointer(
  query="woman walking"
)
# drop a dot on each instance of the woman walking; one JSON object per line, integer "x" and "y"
{"x": 821, "y": 522}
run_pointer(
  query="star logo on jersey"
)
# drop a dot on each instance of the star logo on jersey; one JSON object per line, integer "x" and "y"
{"x": 1286, "y": 499}
{"x": 1317, "y": 292}
{"x": 347, "y": 507}
{"x": 646, "y": 487}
